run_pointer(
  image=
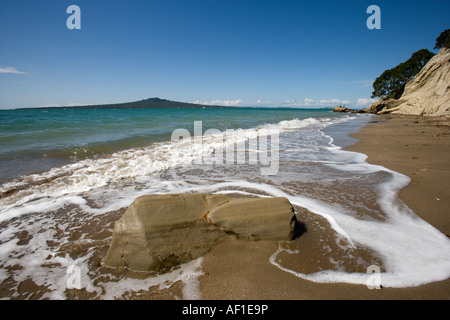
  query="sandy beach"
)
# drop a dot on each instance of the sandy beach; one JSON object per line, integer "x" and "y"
{"x": 415, "y": 146}
{"x": 418, "y": 147}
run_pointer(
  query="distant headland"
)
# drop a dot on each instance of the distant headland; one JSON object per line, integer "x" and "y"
{"x": 151, "y": 103}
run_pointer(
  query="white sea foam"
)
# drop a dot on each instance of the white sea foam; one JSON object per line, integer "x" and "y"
{"x": 413, "y": 251}
{"x": 52, "y": 188}
{"x": 188, "y": 274}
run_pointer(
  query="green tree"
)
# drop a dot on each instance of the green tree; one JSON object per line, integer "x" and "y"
{"x": 443, "y": 41}
{"x": 392, "y": 82}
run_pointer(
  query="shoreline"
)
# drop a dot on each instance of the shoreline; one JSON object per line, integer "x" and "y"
{"x": 418, "y": 147}
{"x": 415, "y": 146}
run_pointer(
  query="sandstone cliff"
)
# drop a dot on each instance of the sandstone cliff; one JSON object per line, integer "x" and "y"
{"x": 428, "y": 93}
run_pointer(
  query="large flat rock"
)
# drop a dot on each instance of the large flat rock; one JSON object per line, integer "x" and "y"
{"x": 161, "y": 231}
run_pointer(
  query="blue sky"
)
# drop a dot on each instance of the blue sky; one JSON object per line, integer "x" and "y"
{"x": 249, "y": 53}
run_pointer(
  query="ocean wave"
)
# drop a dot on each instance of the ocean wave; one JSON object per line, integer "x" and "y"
{"x": 90, "y": 173}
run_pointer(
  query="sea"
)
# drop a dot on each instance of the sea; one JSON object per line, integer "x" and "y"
{"x": 67, "y": 174}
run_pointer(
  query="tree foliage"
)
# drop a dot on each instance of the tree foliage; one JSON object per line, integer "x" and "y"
{"x": 443, "y": 41}
{"x": 392, "y": 82}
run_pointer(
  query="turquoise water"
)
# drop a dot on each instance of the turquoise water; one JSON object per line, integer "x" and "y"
{"x": 34, "y": 140}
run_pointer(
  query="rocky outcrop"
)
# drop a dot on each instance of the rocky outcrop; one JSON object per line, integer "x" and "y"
{"x": 428, "y": 93}
{"x": 344, "y": 109}
{"x": 341, "y": 109}
{"x": 160, "y": 231}
{"x": 379, "y": 105}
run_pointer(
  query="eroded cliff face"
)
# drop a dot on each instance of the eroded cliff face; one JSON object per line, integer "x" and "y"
{"x": 428, "y": 93}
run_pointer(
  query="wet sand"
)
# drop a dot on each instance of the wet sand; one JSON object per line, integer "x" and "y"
{"x": 415, "y": 146}
{"x": 418, "y": 147}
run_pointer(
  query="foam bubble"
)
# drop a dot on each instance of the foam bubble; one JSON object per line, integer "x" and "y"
{"x": 187, "y": 273}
